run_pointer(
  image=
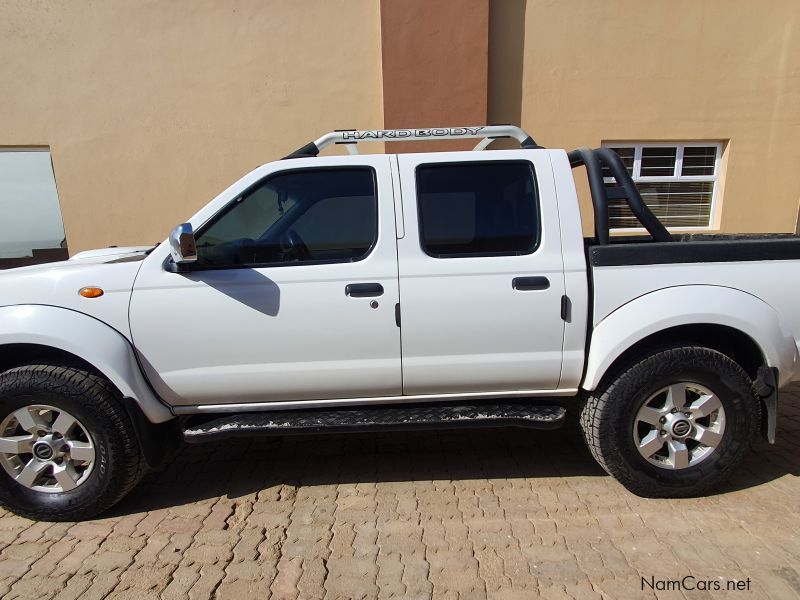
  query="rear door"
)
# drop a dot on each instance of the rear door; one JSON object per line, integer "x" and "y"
{"x": 481, "y": 273}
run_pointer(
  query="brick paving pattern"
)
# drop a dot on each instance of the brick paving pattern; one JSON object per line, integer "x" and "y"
{"x": 460, "y": 514}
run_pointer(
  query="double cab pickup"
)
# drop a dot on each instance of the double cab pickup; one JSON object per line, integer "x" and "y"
{"x": 395, "y": 291}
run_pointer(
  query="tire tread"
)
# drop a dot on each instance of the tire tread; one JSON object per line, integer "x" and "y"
{"x": 599, "y": 426}
{"x": 92, "y": 391}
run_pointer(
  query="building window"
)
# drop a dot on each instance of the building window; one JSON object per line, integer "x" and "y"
{"x": 31, "y": 229}
{"x": 477, "y": 209}
{"x": 677, "y": 180}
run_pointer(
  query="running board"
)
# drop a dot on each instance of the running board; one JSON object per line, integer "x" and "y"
{"x": 394, "y": 418}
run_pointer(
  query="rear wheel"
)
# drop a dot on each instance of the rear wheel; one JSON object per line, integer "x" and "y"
{"x": 674, "y": 423}
{"x": 68, "y": 449}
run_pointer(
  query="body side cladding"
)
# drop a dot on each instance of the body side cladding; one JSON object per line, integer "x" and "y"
{"x": 396, "y": 401}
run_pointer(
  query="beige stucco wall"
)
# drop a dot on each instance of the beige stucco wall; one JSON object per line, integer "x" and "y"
{"x": 581, "y": 72}
{"x": 435, "y": 65}
{"x": 151, "y": 108}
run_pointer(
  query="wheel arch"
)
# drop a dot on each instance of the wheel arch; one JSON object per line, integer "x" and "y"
{"x": 736, "y": 323}
{"x": 735, "y": 344}
{"x": 35, "y": 332}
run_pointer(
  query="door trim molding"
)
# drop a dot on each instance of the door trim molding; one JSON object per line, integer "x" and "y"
{"x": 332, "y": 402}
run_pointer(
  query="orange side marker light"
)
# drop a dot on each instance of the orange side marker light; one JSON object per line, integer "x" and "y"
{"x": 91, "y": 292}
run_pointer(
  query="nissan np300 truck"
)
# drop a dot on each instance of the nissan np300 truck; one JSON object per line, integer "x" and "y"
{"x": 397, "y": 291}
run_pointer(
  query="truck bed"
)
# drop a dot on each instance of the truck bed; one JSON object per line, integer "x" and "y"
{"x": 766, "y": 267}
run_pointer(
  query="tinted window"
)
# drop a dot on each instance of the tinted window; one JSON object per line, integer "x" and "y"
{"x": 297, "y": 216}
{"x": 477, "y": 209}
{"x": 342, "y": 226}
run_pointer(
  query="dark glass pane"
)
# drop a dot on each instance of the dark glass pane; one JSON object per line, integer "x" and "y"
{"x": 296, "y": 216}
{"x": 658, "y": 161}
{"x": 699, "y": 160}
{"x": 338, "y": 227}
{"x": 473, "y": 209}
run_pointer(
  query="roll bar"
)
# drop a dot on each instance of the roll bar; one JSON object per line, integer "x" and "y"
{"x": 625, "y": 189}
{"x": 351, "y": 137}
{"x": 593, "y": 160}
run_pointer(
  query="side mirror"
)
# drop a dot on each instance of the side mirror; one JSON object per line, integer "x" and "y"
{"x": 181, "y": 244}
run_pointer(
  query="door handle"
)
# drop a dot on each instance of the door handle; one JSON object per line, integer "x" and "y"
{"x": 530, "y": 283}
{"x": 363, "y": 290}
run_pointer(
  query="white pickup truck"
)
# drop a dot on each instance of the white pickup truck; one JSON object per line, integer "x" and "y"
{"x": 374, "y": 292}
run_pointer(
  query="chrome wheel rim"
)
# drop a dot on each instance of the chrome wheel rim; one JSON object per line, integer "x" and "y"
{"x": 679, "y": 426}
{"x": 46, "y": 449}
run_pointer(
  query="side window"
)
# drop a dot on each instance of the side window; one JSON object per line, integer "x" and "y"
{"x": 477, "y": 209}
{"x": 342, "y": 227}
{"x": 250, "y": 217}
{"x": 308, "y": 215}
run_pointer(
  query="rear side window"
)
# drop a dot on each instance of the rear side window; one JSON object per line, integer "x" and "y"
{"x": 477, "y": 209}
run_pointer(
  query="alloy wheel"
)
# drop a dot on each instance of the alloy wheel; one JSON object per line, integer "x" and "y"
{"x": 46, "y": 449}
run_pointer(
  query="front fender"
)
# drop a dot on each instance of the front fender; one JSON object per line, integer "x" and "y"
{"x": 690, "y": 305}
{"x": 87, "y": 338}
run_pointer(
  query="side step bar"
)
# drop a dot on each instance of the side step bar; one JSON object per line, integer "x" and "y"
{"x": 394, "y": 418}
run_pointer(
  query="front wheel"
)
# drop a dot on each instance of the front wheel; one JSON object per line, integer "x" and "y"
{"x": 674, "y": 423}
{"x": 68, "y": 449}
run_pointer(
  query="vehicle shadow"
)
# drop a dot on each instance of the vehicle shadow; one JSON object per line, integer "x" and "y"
{"x": 246, "y": 286}
{"x": 238, "y": 467}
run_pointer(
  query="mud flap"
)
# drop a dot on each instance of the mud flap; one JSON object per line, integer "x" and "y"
{"x": 157, "y": 440}
{"x": 767, "y": 387}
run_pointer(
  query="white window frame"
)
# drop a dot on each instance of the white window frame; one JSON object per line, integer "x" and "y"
{"x": 676, "y": 176}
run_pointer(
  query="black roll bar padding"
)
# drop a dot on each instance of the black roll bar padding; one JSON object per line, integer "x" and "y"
{"x": 306, "y": 151}
{"x": 640, "y": 209}
{"x": 586, "y": 157}
{"x": 529, "y": 144}
{"x": 592, "y": 160}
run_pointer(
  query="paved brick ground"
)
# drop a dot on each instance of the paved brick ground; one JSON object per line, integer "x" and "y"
{"x": 504, "y": 514}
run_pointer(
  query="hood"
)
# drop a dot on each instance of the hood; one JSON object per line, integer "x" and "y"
{"x": 87, "y": 257}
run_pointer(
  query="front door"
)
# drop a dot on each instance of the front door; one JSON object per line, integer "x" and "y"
{"x": 292, "y": 297}
{"x": 481, "y": 274}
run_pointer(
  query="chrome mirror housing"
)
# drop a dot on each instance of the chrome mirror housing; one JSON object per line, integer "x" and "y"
{"x": 182, "y": 245}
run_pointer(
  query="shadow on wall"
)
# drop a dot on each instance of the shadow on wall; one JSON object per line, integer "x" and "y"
{"x": 506, "y": 55}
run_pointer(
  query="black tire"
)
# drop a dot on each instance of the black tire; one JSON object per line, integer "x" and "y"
{"x": 96, "y": 404}
{"x": 607, "y": 420}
